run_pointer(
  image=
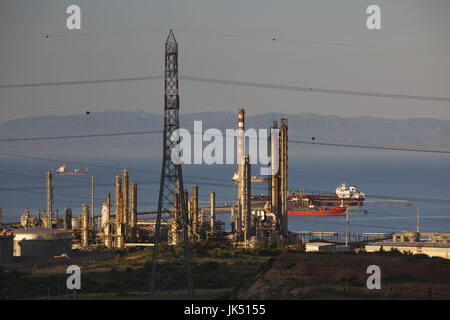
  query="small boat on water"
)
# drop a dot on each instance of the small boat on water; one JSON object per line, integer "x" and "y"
{"x": 64, "y": 171}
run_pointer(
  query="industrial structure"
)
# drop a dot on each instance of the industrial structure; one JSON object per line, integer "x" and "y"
{"x": 433, "y": 244}
{"x": 179, "y": 219}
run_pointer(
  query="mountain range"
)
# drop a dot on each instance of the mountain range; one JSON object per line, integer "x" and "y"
{"x": 426, "y": 133}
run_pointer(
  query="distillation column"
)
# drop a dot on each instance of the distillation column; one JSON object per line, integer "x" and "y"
{"x": 212, "y": 218}
{"x": 195, "y": 208}
{"x": 240, "y": 162}
{"x": 50, "y": 187}
{"x": 245, "y": 199}
{"x": 125, "y": 211}
{"x": 133, "y": 208}
{"x": 283, "y": 176}
{"x": 275, "y": 152}
{"x": 84, "y": 225}
{"x": 118, "y": 210}
{"x": 108, "y": 207}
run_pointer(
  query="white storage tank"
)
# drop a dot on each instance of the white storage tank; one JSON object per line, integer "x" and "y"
{"x": 40, "y": 242}
{"x": 76, "y": 224}
{"x": 320, "y": 247}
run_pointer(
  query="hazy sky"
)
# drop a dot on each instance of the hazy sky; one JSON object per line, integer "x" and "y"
{"x": 413, "y": 24}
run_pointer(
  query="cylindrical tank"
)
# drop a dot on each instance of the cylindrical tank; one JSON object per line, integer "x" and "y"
{"x": 42, "y": 242}
{"x": 104, "y": 219}
{"x": 413, "y": 236}
{"x": 76, "y": 223}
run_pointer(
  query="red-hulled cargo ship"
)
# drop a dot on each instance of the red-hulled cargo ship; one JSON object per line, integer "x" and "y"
{"x": 336, "y": 211}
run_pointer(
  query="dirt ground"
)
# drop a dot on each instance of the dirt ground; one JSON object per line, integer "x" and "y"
{"x": 343, "y": 276}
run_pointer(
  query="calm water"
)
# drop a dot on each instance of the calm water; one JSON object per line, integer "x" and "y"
{"x": 423, "y": 179}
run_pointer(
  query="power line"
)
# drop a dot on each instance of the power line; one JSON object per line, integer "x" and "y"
{"x": 65, "y": 83}
{"x": 273, "y": 38}
{"x": 50, "y": 36}
{"x": 314, "y": 90}
{"x": 242, "y": 84}
{"x": 80, "y": 136}
{"x": 311, "y": 42}
{"x": 369, "y": 147}
{"x": 293, "y": 141}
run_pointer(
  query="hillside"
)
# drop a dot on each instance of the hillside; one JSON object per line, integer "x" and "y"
{"x": 415, "y": 132}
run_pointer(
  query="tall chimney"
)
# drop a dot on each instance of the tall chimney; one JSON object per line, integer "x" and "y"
{"x": 240, "y": 161}
{"x": 108, "y": 207}
{"x": 50, "y": 186}
{"x": 85, "y": 225}
{"x": 195, "y": 208}
{"x": 92, "y": 202}
{"x": 133, "y": 207}
{"x": 118, "y": 209}
{"x": 212, "y": 201}
{"x": 283, "y": 176}
{"x": 245, "y": 194}
{"x": 125, "y": 212}
{"x": 275, "y": 152}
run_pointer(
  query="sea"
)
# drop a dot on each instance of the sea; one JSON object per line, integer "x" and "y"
{"x": 424, "y": 179}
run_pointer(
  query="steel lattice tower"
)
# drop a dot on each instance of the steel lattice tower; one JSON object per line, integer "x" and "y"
{"x": 172, "y": 205}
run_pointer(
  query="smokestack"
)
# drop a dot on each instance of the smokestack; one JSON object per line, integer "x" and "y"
{"x": 67, "y": 218}
{"x": 275, "y": 184}
{"x": 195, "y": 208}
{"x": 176, "y": 205}
{"x": 241, "y": 128}
{"x": 85, "y": 225}
{"x": 50, "y": 186}
{"x": 125, "y": 212}
{"x": 133, "y": 204}
{"x": 108, "y": 207}
{"x": 245, "y": 194}
{"x": 186, "y": 198}
{"x": 240, "y": 162}
{"x": 212, "y": 201}
{"x": 190, "y": 215}
{"x": 120, "y": 221}
{"x": 283, "y": 176}
{"x": 92, "y": 202}
{"x": 118, "y": 209}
